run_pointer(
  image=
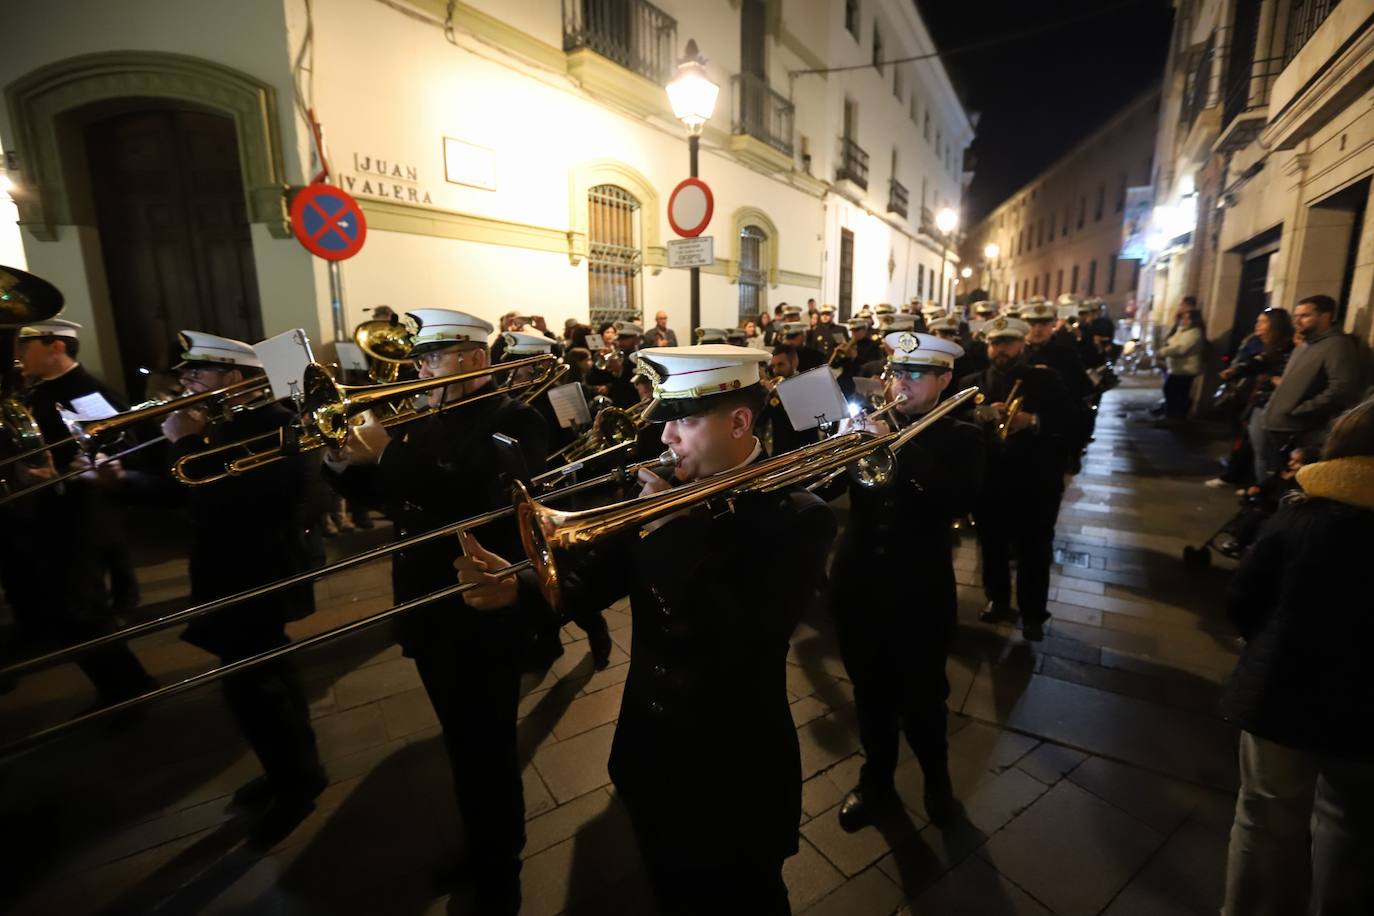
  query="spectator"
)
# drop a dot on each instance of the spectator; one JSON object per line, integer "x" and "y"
{"x": 1321, "y": 380}
{"x": 752, "y": 336}
{"x": 664, "y": 332}
{"x": 1183, "y": 357}
{"x": 1260, "y": 359}
{"x": 1300, "y": 602}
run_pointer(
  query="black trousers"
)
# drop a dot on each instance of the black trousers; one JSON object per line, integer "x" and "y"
{"x": 694, "y": 877}
{"x": 1178, "y": 395}
{"x": 269, "y": 706}
{"x": 473, "y": 679}
{"x": 900, "y": 686}
{"x": 1019, "y": 525}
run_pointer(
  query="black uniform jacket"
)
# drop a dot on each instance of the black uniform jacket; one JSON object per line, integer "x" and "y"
{"x": 1029, "y": 461}
{"x": 705, "y": 748}
{"x": 246, "y": 531}
{"x": 893, "y": 569}
{"x": 824, "y": 337}
{"x": 436, "y": 471}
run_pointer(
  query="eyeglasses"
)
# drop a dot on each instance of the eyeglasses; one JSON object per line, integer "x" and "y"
{"x": 910, "y": 375}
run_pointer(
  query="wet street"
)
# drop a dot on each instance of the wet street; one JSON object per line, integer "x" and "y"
{"x": 1095, "y": 773}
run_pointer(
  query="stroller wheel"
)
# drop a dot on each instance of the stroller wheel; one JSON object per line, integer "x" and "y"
{"x": 1197, "y": 557}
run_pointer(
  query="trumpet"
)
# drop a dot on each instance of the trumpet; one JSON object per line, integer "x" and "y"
{"x": 547, "y": 483}
{"x": 327, "y": 411}
{"x": 846, "y": 350}
{"x": 604, "y": 357}
{"x": 24, "y": 299}
{"x": 1013, "y": 408}
{"x": 547, "y": 534}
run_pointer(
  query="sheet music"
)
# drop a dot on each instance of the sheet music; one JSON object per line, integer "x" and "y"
{"x": 811, "y": 398}
{"x": 569, "y": 404}
{"x": 284, "y": 358}
{"x": 350, "y": 356}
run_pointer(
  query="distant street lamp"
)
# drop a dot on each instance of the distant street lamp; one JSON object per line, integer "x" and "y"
{"x": 991, "y": 251}
{"x": 946, "y": 221}
{"x": 693, "y": 97}
{"x": 966, "y": 272}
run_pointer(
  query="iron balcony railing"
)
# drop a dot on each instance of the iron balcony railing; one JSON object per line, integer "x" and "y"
{"x": 1251, "y": 91}
{"x": 928, "y": 222}
{"x": 637, "y": 35}
{"x": 853, "y": 163}
{"x": 1304, "y": 18}
{"x": 897, "y": 198}
{"x": 1197, "y": 91}
{"x": 762, "y": 113}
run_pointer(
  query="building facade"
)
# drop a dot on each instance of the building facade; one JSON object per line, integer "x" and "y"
{"x": 516, "y": 155}
{"x": 1266, "y": 156}
{"x": 1062, "y": 232}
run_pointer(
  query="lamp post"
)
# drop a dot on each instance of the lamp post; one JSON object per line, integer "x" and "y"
{"x": 693, "y": 97}
{"x": 946, "y": 220}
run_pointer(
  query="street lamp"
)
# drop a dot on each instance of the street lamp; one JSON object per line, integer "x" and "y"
{"x": 991, "y": 251}
{"x": 693, "y": 97}
{"x": 966, "y": 272}
{"x": 946, "y": 220}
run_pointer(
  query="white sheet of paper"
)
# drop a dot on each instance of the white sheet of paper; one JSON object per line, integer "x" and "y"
{"x": 350, "y": 356}
{"x": 595, "y": 342}
{"x": 569, "y": 404}
{"x": 91, "y": 406}
{"x": 813, "y": 394}
{"x": 866, "y": 387}
{"x": 285, "y": 357}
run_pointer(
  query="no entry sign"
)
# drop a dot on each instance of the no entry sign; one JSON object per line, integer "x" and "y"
{"x": 328, "y": 222}
{"x": 689, "y": 208}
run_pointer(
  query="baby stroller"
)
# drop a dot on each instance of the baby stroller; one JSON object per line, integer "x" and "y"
{"x": 1234, "y": 538}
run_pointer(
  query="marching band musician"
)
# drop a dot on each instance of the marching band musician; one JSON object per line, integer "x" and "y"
{"x": 773, "y": 426}
{"x": 895, "y": 630}
{"x": 826, "y": 335}
{"x": 1027, "y": 454}
{"x": 64, "y": 590}
{"x": 860, "y": 351}
{"x": 1044, "y": 348}
{"x": 794, "y": 334}
{"x": 248, "y": 531}
{"x": 709, "y": 646}
{"x": 432, "y": 472}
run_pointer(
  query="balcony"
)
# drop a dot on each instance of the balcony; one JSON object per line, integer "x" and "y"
{"x": 897, "y": 198}
{"x": 1304, "y": 17}
{"x": 761, "y": 127}
{"x": 1245, "y": 109}
{"x": 1197, "y": 90}
{"x": 634, "y": 34}
{"x": 853, "y": 164}
{"x": 928, "y": 223}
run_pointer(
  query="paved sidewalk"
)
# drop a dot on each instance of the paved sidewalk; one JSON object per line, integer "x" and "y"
{"x": 1095, "y": 774}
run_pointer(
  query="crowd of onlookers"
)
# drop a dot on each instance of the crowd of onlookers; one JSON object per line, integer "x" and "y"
{"x": 1302, "y": 459}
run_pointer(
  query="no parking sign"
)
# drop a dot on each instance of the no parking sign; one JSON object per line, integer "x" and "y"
{"x": 328, "y": 222}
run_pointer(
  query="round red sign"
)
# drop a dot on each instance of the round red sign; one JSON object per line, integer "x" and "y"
{"x": 328, "y": 222}
{"x": 690, "y": 207}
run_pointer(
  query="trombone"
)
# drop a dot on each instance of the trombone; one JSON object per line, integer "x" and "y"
{"x": 547, "y": 483}
{"x": 604, "y": 357}
{"x": 548, "y": 533}
{"x": 612, "y": 426}
{"x": 328, "y": 410}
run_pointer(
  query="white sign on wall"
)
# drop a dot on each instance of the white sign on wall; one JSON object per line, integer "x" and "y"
{"x": 469, "y": 164}
{"x": 697, "y": 252}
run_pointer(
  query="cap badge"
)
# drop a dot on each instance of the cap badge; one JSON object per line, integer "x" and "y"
{"x": 907, "y": 343}
{"x": 646, "y": 368}
{"x": 412, "y": 324}
{"x": 999, "y": 324}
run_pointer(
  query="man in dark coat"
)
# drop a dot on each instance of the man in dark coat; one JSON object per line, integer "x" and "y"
{"x": 709, "y": 646}
{"x": 895, "y": 627}
{"x": 1027, "y": 458}
{"x": 248, "y": 530}
{"x": 1045, "y": 348}
{"x": 54, "y": 575}
{"x": 433, "y": 472}
{"x": 826, "y": 335}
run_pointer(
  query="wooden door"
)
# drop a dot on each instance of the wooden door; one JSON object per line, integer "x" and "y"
{"x": 173, "y": 232}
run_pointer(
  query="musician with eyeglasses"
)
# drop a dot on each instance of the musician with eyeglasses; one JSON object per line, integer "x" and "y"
{"x": 892, "y": 593}
{"x": 248, "y": 531}
{"x": 431, "y": 472}
{"x": 710, "y": 641}
{"x": 62, "y": 592}
{"x": 1027, "y": 417}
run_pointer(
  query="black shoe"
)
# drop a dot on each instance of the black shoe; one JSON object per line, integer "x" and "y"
{"x": 544, "y": 652}
{"x": 1033, "y": 630}
{"x": 282, "y": 816}
{"x": 995, "y": 613}
{"x": 600, "y": 639}
{"x": 941, "y": 806}
{"x": 861, "y": 805}
{"x": 497, "y": 895}
{"x": 255, "y": 793}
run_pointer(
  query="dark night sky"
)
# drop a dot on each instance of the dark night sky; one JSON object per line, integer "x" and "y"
{"x": 1041, "y": 94}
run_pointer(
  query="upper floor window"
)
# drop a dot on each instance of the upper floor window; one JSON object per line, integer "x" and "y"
{"x": 926, "y": 127}
{"x": 1082, "y": 213}
{"x": 1101, "y": 200}
{"x": 851, "y": 17}
{"x": 897, "y": 82}
{"x": 877, "y": 48}
{"x": 913, "y": 108}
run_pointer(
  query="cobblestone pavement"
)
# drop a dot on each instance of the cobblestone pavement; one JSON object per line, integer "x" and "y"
{"x": 1094, "y": 771}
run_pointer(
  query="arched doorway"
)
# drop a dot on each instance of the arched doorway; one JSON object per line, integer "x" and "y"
{"x": 168, "y": 194}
